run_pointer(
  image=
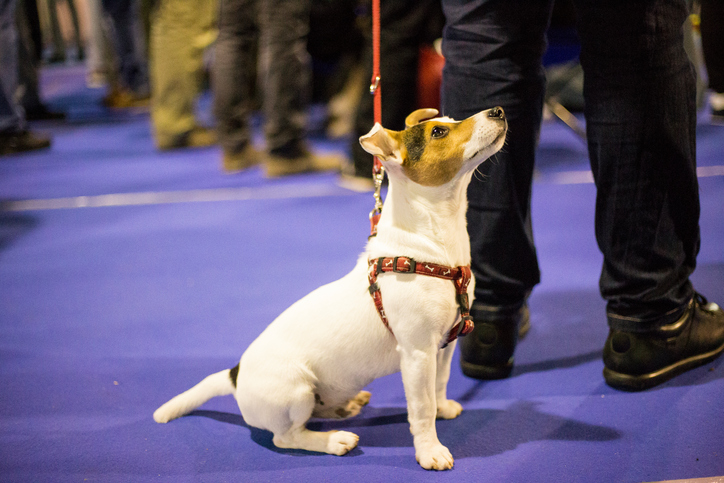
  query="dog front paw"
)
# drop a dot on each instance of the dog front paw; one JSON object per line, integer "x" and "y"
{"x": 434, "y": 457}
{"x": 341, "y": 442}
{"x": 449, "y": 409}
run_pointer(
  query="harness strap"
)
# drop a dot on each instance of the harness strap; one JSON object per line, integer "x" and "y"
{"x": 460, "y": 276}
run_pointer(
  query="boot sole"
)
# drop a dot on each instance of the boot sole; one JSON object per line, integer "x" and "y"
{"x": 476, "y": 371}
{"x": 640, "y": 382}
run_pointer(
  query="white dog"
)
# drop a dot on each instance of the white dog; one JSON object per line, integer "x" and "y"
{"x": 316, "y": 357}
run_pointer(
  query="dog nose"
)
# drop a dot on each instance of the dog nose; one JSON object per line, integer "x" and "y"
{"x": 497, "y": 112}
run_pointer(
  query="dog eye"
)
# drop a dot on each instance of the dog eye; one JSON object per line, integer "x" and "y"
{"x": 439, "y": 132}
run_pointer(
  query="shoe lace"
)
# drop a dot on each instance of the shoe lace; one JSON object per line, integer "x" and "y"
{"x": 704, "y": 304}
{"x": 700, "y": 299}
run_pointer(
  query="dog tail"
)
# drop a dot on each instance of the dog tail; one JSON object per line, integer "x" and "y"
{"x": 220, "y": 384}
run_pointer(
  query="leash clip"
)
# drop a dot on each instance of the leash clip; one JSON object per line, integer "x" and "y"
{"x": 375, "y": 85}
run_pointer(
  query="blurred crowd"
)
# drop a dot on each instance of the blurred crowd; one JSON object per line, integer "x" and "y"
{"x": 276, "y": 57}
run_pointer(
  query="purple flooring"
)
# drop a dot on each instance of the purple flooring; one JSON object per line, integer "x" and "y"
{"x": 108, "y": 311}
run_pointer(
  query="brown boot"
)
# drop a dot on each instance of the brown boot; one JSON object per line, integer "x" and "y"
{"x": 198, "y": 137}
{"x": 246, "y": 158}
{"x": 276, "y": 166}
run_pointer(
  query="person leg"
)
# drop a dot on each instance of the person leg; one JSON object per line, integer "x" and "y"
{"x": 95, "y": 63}
{"x": 639, "y": 90}
{"x": 232, "y": 81}
{"x": 14, "y": 137}
{"x": 58, "y": 52}
{"x": 128, "y": 43}
{"x": 12, "y": 117}
{"x": 286, "y": 73}
{"x": 493, "y": 52}
{"x": 712, "y": 44}
{"x": 77, "y": 36}
{"x": 403, "y": 25}
{"x": 284, "y": 26}
{"x": 179, "y": 31}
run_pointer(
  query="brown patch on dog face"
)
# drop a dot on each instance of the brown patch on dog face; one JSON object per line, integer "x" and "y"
{"x": 432, "y": 151}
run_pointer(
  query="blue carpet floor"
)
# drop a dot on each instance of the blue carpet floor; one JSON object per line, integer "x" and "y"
{"x": 109, "y": 305}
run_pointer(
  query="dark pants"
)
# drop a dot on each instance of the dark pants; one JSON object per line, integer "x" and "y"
{"x": 284, "y": 70}
{"x": 12, "y": 115}
{"x": 641, "y": 119}
{"x": 129, "y": 42}
{"x": 712, "y": 42}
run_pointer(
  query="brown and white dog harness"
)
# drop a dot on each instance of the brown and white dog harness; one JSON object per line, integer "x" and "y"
{"x": 460, "y": 276}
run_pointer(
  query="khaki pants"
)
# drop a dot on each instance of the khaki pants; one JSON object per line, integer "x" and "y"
{"x": 180, "y": 32}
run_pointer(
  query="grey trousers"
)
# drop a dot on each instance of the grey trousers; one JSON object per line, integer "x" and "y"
{"x": 12, "y": 116}
{"x": 280, "y": 29}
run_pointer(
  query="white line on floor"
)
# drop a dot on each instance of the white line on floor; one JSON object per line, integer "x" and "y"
{"x": 256, "y": 193}
{"x": 167, "y": 197}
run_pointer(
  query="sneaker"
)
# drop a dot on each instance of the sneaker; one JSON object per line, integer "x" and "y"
{"x": 636, "y": 361}
{"x": 198, "y": 137}
{"x": 487, "y": 352}
{"x": 276, "y": 166}
{"x": 21, "y": 141}
{"x": 235, "y": 162}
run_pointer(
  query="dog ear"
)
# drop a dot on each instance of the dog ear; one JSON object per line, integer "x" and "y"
{"x": 381, "y": 143}
{"x": 419, "y": 115}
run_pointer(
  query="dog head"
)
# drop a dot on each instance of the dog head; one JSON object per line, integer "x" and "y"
{"x": 433, "y": 152}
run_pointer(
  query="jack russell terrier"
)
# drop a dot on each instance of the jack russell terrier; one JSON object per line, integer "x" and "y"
{"x": 316, "y": 357}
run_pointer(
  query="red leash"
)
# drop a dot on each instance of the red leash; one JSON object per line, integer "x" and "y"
{"x": 460, "y": 276}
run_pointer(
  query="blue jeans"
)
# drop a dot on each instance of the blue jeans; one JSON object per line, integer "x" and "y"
{"x": 129, "y": 43}
{"x": 640, "y": 120}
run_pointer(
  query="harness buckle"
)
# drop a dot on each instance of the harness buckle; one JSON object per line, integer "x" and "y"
{"x": 463, "y": 300}
{"x": 411, "y": 269}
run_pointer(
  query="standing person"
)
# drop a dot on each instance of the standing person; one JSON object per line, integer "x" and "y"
{"x": 181, "y": 30}
{"x": 14, "y": 136}
{"x": 285, "y": 72}
{"x": 129, "y": 88}
{"x": 641, "y": 118}
{"x": 28, "y": 82}
{"x": 712, "y": 43}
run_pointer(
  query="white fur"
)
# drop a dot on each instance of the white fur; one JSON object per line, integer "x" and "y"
{"x": 330, "y": 344}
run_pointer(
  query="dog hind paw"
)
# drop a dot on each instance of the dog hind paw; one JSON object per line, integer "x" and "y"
{"x": 342, "y": 442}
{"x": 362, "y": 398}
{"x": 355, "y": 405}
{"x": 449, "y": 409}
{"x": 349, "y": 410}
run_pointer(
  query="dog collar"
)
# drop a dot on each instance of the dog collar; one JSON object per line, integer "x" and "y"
{"x": 460, "y": 276}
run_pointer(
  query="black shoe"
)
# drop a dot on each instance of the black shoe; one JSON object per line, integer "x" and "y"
{"x": 20, "y": 141}
{"x": 487, "y": 352}
{"x": 42, "y": 113}
{"x": 637, "y": 361}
